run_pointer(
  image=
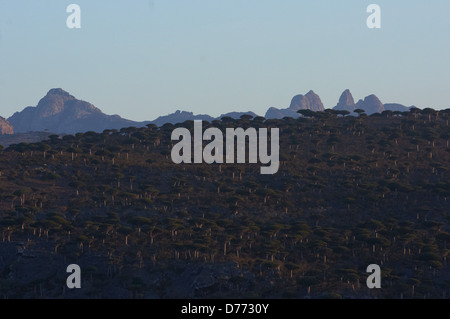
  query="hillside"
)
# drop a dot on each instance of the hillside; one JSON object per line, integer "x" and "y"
{"x": 350, "y": 191}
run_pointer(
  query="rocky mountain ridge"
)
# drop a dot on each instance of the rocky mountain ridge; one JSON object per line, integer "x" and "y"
{"x": 370, "y": 104}
{"x": 61, "y": 113}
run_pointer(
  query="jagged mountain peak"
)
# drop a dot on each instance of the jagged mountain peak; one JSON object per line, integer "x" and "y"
{"x": 60, "y": 112}
{"x": 346, "y": 101}
{"x": 346, "y": 98}
{"x": 58, "y": 100}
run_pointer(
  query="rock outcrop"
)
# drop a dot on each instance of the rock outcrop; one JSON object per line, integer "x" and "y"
{"x": 346, "y": 102}
{"x": 371, "y": 104}
{"x": 5, "y": 127}
{"x": 309, "y": 101}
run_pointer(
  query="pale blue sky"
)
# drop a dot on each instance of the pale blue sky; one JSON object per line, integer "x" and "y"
{"x": 145, "y": 58}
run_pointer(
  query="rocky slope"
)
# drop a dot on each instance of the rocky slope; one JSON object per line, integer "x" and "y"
{"x": 5, "y": 127}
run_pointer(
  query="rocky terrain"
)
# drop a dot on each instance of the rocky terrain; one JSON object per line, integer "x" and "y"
{"x": 5, "y": 127}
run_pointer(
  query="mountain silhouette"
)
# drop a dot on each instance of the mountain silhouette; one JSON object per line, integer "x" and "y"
{"x": 60, "y": 112}
{"x": 180, "y": 117}
{"x": 346, "y": 102}
{"x": 371, "y": 104}
{"x": 309, "y": 101}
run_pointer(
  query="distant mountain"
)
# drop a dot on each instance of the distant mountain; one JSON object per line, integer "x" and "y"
{"x": 237, "y": 115}
{"x": 180, "y": 117}
{"x": 397, "y": 107}
{"x": 275, "y": 113}
{"x": 346, "y": 102}
{"x": 60, "y": 112}
{"x": 371, "y": 104}
{"x": 5, "y": 127}
{"x": 309, "y": 101}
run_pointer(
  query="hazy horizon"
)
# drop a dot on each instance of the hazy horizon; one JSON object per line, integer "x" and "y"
{"x": 145, "y": 59}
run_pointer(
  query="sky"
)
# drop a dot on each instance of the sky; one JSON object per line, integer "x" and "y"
{"x": 145, "y": 58}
